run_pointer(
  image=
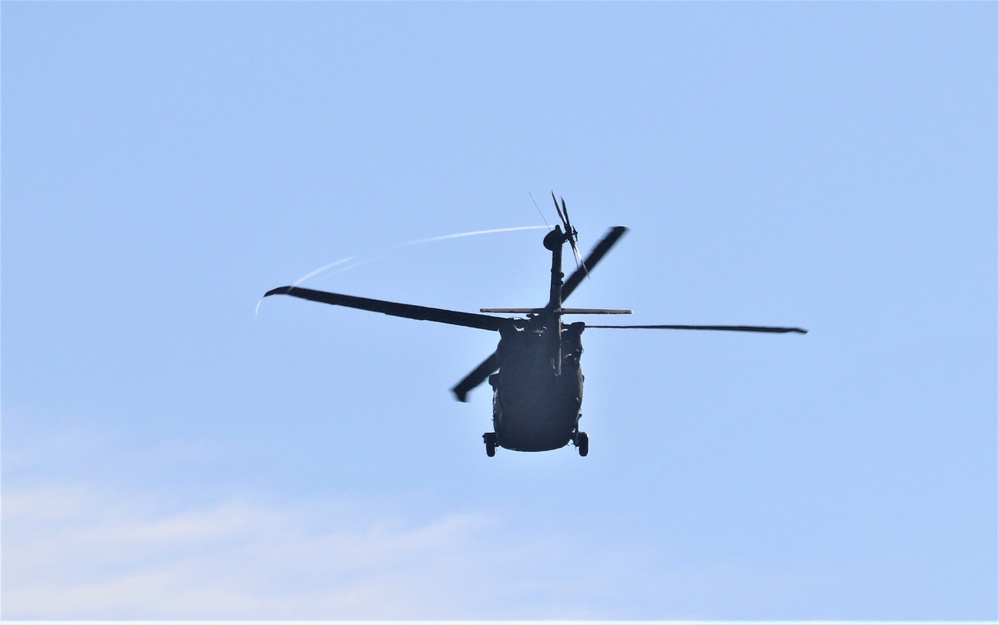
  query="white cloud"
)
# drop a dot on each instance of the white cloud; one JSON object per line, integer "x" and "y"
{"x": 109, "y": 544}
{"x": 75, "y": 552}
{"x": 78, "y": 542}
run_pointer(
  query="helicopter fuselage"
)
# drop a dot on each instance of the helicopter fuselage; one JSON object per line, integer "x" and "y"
{"x": 538, "y": 390}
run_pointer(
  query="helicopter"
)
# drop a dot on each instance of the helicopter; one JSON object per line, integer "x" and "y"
{"x": 535, "y": 371}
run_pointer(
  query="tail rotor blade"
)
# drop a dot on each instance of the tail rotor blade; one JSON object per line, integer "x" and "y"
{"x": 578, "y": 257}
{"x": 568, "y": 224}
{"x": 561, "y": 215}
{"x": 573, "y": 237}
{"x": 570, "y": 232}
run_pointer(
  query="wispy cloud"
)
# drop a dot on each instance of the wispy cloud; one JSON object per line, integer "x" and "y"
{"x": 86, "y": 542}
{"x": 74, "y": 551}
{"x": 71, "y": 551}
{"x": 91, "y": 530}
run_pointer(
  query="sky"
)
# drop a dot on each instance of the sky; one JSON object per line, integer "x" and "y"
{"x": 174, "y": 448}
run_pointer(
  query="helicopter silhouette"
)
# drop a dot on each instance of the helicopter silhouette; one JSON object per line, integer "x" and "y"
{"x": 535, "y": 373}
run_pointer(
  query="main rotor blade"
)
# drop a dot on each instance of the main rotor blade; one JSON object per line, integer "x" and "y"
{"x": 409, "y": 311}
{"x": 591, "y": 261}
{"x": 770, "y": 329}
{"x": 476, "y": 377}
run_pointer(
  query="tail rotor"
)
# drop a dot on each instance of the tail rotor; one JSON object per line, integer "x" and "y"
{"x": 571, "y": 234}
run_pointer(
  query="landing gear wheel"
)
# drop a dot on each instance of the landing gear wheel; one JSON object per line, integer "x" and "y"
{"x": 583, "y": 443}
{"x": 490, "y": 440}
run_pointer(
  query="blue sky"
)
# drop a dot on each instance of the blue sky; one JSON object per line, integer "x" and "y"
{"x": 171, "y": 451}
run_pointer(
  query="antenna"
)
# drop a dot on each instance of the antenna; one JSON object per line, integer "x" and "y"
{"x": 539, "y": 210}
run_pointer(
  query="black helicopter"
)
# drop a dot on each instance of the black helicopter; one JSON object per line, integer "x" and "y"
{"x": 534, "y": 372}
